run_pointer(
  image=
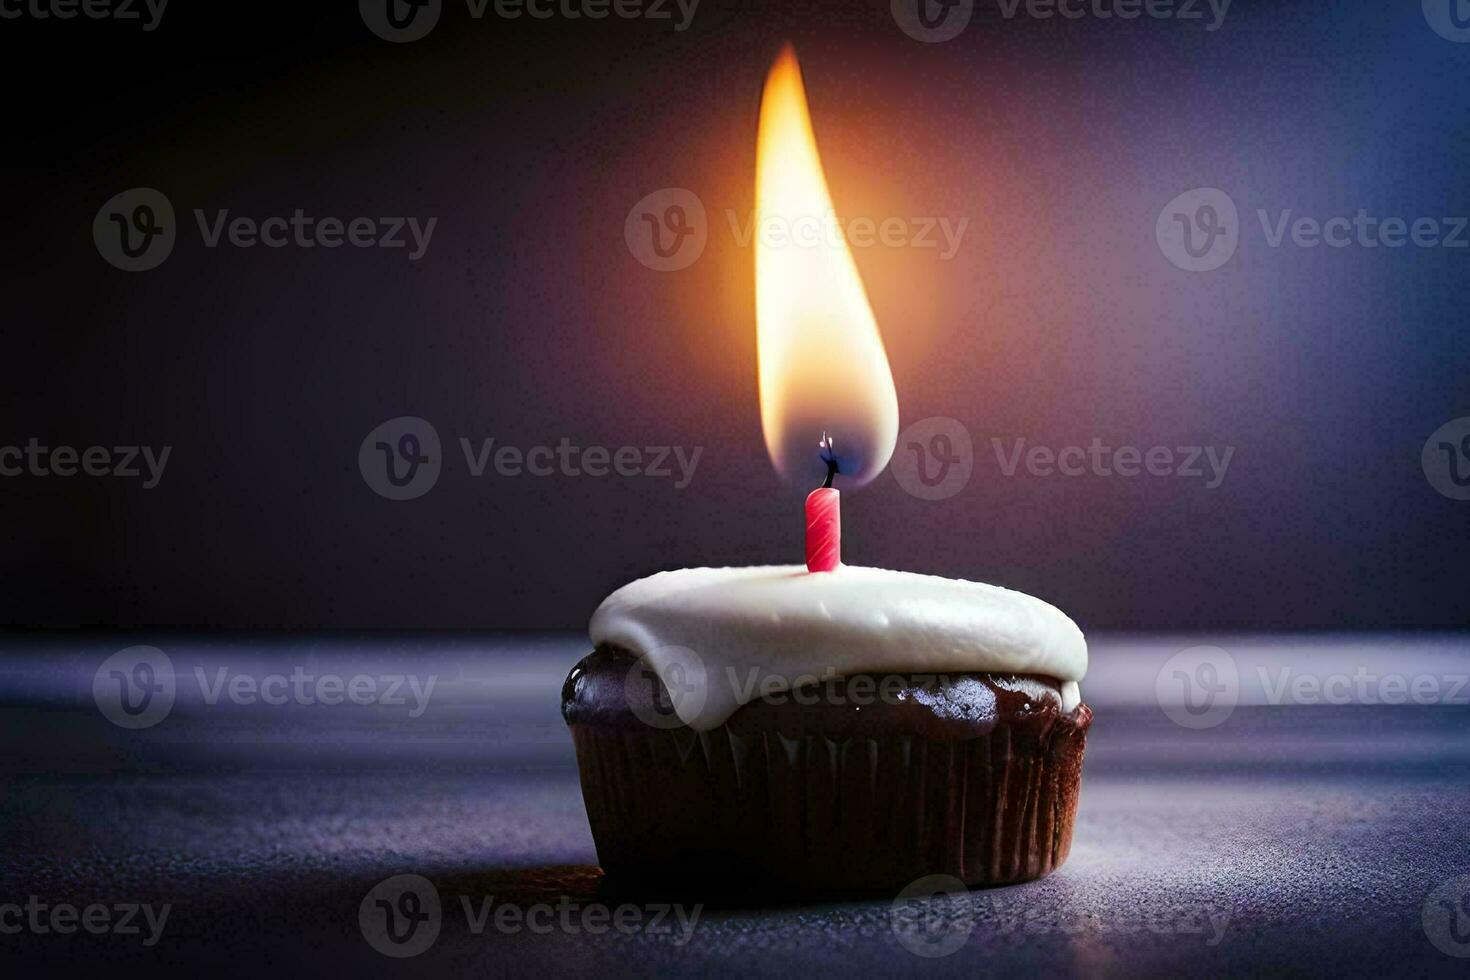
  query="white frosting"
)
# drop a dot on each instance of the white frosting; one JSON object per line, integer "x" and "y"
{"x": 770, "y": 628}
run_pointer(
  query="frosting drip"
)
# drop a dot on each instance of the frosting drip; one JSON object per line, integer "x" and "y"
{"x": 721, "y": 637}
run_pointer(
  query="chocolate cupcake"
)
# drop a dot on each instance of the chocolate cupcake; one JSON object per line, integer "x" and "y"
{"x": 857, "y": 729}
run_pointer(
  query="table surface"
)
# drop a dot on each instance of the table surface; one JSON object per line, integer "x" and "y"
{"x": 1289, "y": 839}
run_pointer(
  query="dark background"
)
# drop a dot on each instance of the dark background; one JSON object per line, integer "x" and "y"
{"x": 529, "y": 320}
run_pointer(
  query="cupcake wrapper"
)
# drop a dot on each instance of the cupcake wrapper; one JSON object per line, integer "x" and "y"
{"x": 847, "y": 813}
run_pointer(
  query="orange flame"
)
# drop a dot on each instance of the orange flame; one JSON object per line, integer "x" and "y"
{"x": 821, "y": 359}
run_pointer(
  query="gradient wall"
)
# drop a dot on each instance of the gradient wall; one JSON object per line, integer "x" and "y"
{"x": 1059, "y": 318}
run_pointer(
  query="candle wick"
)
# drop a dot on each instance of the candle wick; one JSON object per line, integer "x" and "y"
{"x": 829, "y": 456}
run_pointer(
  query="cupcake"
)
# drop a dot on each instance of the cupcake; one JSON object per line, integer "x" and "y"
{"x": 856, "y": 729}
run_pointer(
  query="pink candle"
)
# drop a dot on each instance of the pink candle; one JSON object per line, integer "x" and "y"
{"x": 823, "y": 530}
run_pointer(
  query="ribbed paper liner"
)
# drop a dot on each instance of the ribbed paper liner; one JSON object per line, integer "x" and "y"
{"x": 856, "y": 813}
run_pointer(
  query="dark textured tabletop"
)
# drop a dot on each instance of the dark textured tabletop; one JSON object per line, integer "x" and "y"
{"x": 1302, "y": 838}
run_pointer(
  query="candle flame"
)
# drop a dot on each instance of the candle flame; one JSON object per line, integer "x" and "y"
{"x": 822, "y": 365}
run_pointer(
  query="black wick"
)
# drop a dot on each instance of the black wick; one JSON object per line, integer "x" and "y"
{"x": 829, "y": 456}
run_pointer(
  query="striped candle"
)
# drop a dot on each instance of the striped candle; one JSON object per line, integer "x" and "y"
{"x": 823, "y": 530}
